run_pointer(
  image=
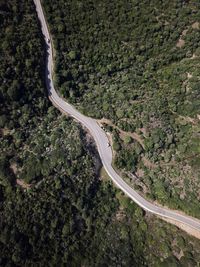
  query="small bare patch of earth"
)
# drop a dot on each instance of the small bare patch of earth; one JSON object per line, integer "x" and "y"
{"x": 180, "y": 43}
{"x": 13, "y": 167}
{"x": 193, "y": 56}
{"x": 106, "y": 121}
{"x": 23, "y": 184}
{"x": 189, "y": 75}
{"x": 188, "y": 119}
{"x": 140, "y": 173}
{"x": 148, "y": 163}
{"x": 184, "y": 32}
{"x": 195, "y": 25}
{"x": 4, "y": 131}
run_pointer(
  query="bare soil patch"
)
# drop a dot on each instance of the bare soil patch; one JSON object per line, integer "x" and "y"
{"x": 4, "y": 131}
{"x": 140, "y": 173}
{"x": 13, "y": 167}
{"x": 188, "y": 119}
{"x": 23, "y": 184}
{"x": 189, "y": 75}
{"x": 180, "y": 43}
{"x": 148, "y": 163}
{"x": 195, "y": 25}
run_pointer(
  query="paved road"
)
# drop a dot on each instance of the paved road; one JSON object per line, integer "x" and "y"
{"x": 101, "y": 139}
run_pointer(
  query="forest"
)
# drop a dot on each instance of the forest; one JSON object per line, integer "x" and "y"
{"x": 57, "y": 206}
{"x": 136, "y": 64}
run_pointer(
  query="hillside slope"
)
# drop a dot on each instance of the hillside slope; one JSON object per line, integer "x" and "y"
{"x": 137, "y": 65}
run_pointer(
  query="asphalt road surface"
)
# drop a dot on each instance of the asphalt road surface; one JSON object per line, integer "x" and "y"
{"x": 100, "y": 137}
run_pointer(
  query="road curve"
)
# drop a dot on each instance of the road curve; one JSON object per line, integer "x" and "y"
{"x": 100, "y": 137}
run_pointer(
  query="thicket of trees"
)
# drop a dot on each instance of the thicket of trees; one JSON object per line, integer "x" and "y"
{"x": 137, "y": 63}
{"x": 54, "y": 208}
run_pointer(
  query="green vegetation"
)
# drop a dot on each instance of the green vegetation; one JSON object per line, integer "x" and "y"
{"x": 137, "y": 64}
{"x": 23, "y": 102}
{"x": 54, "y": 209}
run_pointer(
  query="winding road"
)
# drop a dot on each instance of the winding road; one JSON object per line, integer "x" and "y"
{"x": 100, "y": 137}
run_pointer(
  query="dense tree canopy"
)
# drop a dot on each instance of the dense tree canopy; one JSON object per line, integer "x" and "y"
{"x": 137, "y": 64}
{"x": 56, "y": 208}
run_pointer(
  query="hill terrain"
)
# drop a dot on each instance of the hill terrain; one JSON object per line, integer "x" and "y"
{"x": 135, "y": 66}
{"x": 57, "y": 207}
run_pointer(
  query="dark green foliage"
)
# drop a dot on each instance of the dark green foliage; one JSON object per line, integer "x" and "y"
{"x": 68, "y": 216}
{"x": 124, "y": 61}
{"x": 56, "y": 221}
{"x": 20, "y": 74}
{"x": 111, "y": 57}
